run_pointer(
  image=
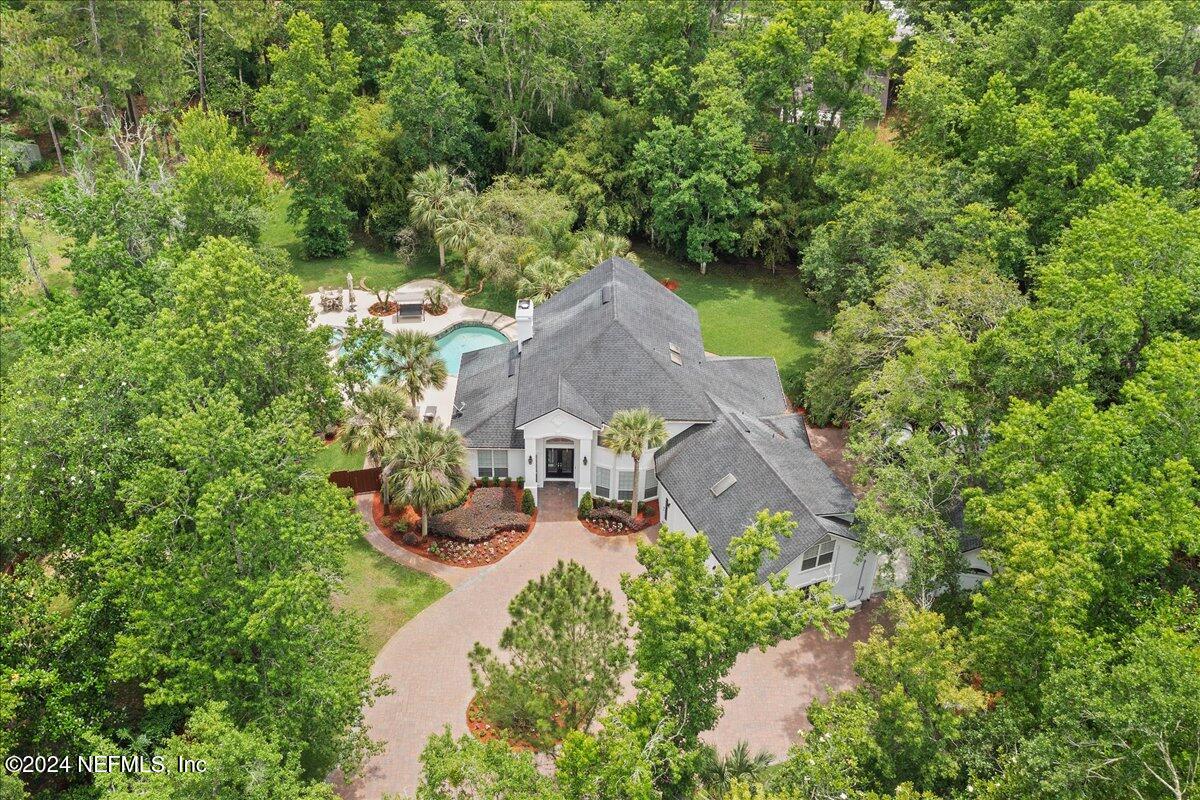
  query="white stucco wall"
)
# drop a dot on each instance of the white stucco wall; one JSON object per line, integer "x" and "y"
{"x": 849, "y": 579}
{"x": 676, "y": 520}
{"x": 516, "y": 462}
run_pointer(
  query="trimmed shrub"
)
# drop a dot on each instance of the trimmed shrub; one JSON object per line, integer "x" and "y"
{"x": 611, "y": 514}
{"x": 527, "y": 505}
{"x": 585, "y": 504}
{"x": 491, "y": 510}
{"x": 521, "y": 481}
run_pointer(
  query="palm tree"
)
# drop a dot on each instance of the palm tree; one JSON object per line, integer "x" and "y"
{"x": 717, "y": 775}
{"x": 380, "y": 412}
{"x": 411, "y": 361}
{"x": 430, "y": 193}
{"x": 459, "y": 225}
{"x": 632, "y": 432}
{"x": 593, "y": 247}
{"x": 544, "y": 278}
{"x": 427, "y": 468}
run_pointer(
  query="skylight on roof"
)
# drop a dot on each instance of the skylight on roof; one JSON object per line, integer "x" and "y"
{"x": 605, "y": 294}
{"x": 674, "y": 347}
{"x": 675, "y": 359}
{"x": 720, "y": 486}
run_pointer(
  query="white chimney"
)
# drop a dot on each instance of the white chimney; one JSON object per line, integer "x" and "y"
{"x": 524, "y": 321}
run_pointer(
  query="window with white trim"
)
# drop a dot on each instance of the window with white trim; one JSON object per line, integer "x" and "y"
{"x": 493, "y": 463}
{"x": 625, "y": 485}
{"x": 818, "y": 555}
{"x": 603, "y": 482}
{"x": 651, "y": 485}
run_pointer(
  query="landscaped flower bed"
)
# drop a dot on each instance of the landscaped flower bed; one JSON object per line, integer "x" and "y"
{"x": 485, "y": 731}
{"x": 494, "y": 511}
{"x": 610, "y": 520}
{"x": 383, "y": 309}
{"x": 488, "y": 511}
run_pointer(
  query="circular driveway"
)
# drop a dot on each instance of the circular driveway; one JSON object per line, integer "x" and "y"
{"x": 426, "y": 660}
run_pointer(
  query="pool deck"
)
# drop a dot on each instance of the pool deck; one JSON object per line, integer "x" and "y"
{"x": 456, "y": 314}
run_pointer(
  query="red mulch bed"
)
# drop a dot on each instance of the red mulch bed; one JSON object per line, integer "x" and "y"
{"x": 383, "y": 309}
{"x": 435, "y": 311}
{"x": 485, "y": 731}
{"x": 441, "y": 549}
{"x": 642, "y": 521}
{"x": 670, "y": 283}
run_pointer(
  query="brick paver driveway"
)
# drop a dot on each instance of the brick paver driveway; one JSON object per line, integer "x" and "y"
{"x": 426, "y": 660}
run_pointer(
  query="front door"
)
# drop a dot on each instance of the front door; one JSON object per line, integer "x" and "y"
{"x": 560, "y": 463}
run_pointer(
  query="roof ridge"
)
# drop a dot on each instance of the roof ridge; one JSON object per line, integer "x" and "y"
{"x": 765, "y": 459}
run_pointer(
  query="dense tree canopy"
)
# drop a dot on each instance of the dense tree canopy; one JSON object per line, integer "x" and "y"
{"x": 995, "y": 203}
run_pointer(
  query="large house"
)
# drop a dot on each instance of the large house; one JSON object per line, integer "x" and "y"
{"x": 617, "y": 339}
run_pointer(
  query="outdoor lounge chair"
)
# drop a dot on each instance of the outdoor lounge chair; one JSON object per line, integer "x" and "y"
{"x": 429, "y": 414}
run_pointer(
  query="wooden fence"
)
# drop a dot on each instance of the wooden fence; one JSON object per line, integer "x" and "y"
{"x": 357, "y": 480}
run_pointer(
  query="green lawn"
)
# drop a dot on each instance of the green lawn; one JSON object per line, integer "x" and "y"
{"x": 384, "y": 592}
{"x": 331, "y": 458}
{"x": 742, "y": 311}
{"x": 747, "y": 312}
{"x": 379, "y": 267}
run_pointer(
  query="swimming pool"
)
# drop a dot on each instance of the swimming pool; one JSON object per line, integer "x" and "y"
{"x": 451, "y": 345}
{"x": 465, "y": 339}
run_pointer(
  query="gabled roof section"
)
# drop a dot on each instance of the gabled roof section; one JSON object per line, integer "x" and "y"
{"x": 487, "y": 395}
{"x": 773, "y": 470}
{"x": 603, "y": 344}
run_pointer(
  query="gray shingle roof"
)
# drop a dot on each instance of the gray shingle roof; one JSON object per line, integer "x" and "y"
{"x": 603, "y": 344}
{"x": 595, "y": 352}
{"x": 774, "y": 470}
{"x": 488, "y": 397}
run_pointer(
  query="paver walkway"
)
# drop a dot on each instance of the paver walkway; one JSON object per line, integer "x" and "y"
{"x": 426, "y": 660}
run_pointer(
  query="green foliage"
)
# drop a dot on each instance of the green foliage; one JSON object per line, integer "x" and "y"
{"x": 911, "y": 513}
{"x": 527, "y": 504}
{"x": 904, "y": 724}
{"x": 378, "y": 414}
{"x": 426, "y": 468}
{"x": 434, "y": 114}
{"x": 564, "y": 655}
{"x": 700, "y": 183}
{"x": 119, "y": 227}
{"x": 220, "y": 188}
{"x": 889, "y": 207}
{"x": 1120, "y": 716}
{"x": 456, "y": 769}
{"x": 258, "y": 556}
{"x": 240, "y": 764}
{"x": 232, "y": 322}
{"x": 1093, "y": 502}
{"x": 632, "y": 432}
{"x": 692, "y": 622}
{"x": 1126, "y": 272}
{"x": 1059, "y": 103}
{"x": 585, "y": 504}
{"x": 360, "y": 354}
{"x": 412, "y": 363}
{"x": 432, "y": 194}
{"x": 967, "y": 298}
{"x": 305, "y": 113}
